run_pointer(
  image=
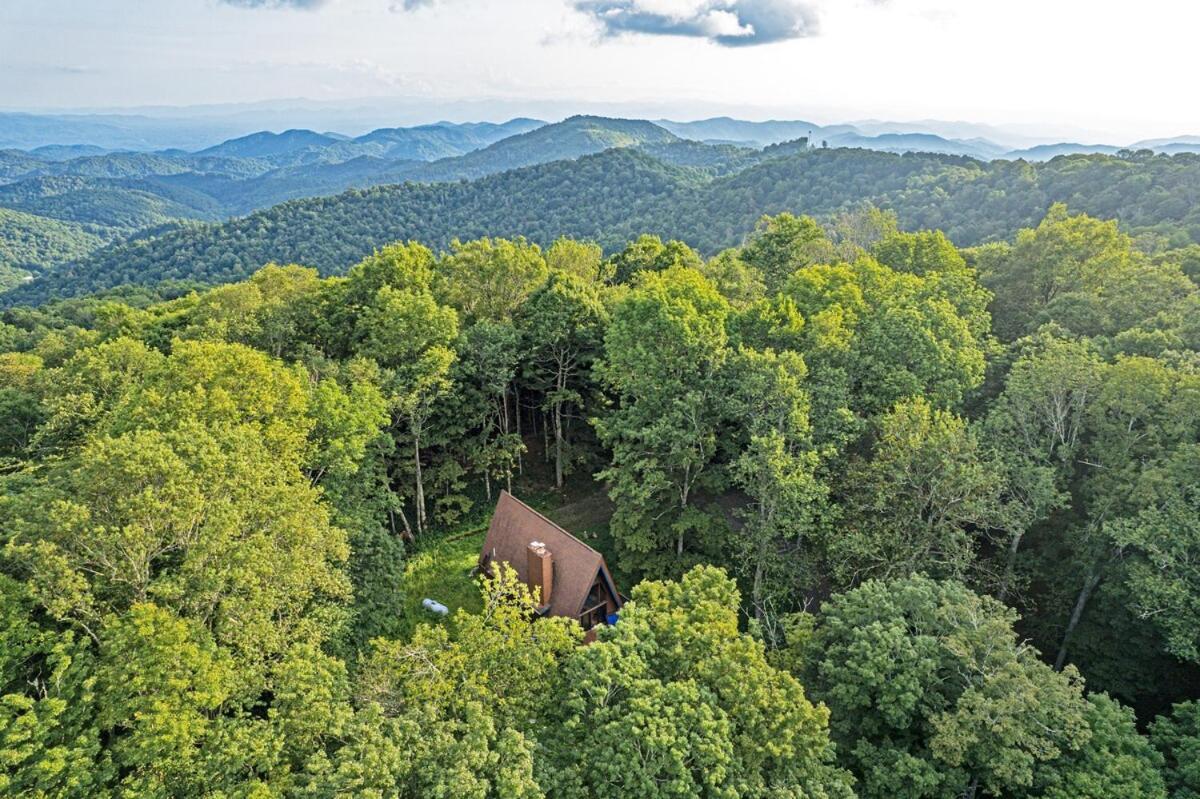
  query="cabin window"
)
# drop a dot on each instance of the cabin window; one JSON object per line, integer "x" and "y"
{"x": 597, "y": 606}
{"x": 594, "y": 616}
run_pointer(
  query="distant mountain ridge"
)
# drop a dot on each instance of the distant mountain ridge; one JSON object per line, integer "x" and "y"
{"x": 90, "y": 197}
{"x": 58, "y": 134}
{"x": 28, "y": 131}
{"x": 1044, "y": 152}
{"x": 1154, "y": 144}
{"x": 538, "y": 143}
{"x": 117, "y": 194}
{"x": 727, "y": 129}
{"x": 574, "y": 137}
{"x": 421, "y": 143}
{"x": 266, "y": 144}
{"x": 919, "y": 143}
{"x": 708, "y": 196}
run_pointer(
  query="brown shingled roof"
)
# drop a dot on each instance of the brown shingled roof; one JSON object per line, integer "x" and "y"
{"x": 515, "y": 525}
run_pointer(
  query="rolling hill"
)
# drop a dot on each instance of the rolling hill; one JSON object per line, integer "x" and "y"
{"x": 572, "y": 138}
{"x": 124, "y": 205}
{"x": 116, "y": 195}
{"x": 754, "y": 134}
{"x": 421, "y": 143}
{"x": 268, "y": 145}
{"x": 332, "y": 232}
{"x": 569, "y": 139}
{"x": 615, "y": 195}
{"x": 763, "y": 134}
{"x": 16, "y": 164}
{"x": 31, "y": 243}
{"x": 431, "y": 142}
{"x": 1044, "y": 152}
{"x": 918, "y": 143}
{"x": 253, "y": 172}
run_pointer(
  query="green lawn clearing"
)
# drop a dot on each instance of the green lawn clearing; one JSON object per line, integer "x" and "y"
{"x": 441, "y": 570}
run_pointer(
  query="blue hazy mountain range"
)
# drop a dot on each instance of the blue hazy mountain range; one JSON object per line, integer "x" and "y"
{"x": 64, "y": 198}
{"x": 247, "y": 132}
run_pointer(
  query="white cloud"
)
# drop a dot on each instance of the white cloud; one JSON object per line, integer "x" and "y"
{"x": 724, "y": 23}
{"x": 731, "y": 23}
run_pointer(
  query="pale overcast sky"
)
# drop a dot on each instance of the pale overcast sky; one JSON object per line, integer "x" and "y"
{"x": 1119, "y": 68}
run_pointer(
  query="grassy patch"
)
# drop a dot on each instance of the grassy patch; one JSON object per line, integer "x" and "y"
{"x": 441, "y": 570}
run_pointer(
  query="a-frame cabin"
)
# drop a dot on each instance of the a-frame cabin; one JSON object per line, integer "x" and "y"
{"x": 567, "y": 577}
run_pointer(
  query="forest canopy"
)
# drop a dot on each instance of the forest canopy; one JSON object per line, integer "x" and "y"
{"x": 896, "y": 518}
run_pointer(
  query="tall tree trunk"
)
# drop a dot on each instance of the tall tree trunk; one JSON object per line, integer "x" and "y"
{"x": 487, "y": 482}
{"x": 420, "y": 496}
{"x": 1089, "y": 585}
{"x": 504, "y": 424}
{"x": 683, "y": 501}
{"x": 408, "y": 533}
{"x": 1010, "y": 566}
{"x": 560, "y": 385}
{"x": 756, "y": 592}
{"x": 558, "y": 446}
{"x": 520, "y": 435}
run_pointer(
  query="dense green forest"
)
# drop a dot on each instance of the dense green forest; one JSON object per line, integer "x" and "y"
{"x": 896, "y": 519}
{"x": 709, "y": 196}
{"x": 124, "y": 205}
{"x": 28, "y": 242}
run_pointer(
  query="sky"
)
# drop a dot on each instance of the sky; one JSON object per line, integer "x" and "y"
{"x": 1113, "y": 71}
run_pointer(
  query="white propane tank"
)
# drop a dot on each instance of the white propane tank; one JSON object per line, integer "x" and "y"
{"x": 435, "y": 607}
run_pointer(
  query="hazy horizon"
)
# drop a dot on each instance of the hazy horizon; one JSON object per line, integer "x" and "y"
{"x": 357, "y": 116}
{"x": 1007, "y": 65}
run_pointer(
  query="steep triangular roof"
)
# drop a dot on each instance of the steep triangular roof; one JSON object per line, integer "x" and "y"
{"x": 515, "y": 525}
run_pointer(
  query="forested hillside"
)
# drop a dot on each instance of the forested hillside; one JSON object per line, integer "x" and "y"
{"x": 331, "y": 232}
{"x": 263, "y": 169}
{"x": 125, "y": 196}
{"x": 710, "y": 196}
{"x": 571, "y": 138}
{"x": 124, "y": 205}
{"x": 28, "y": 242}
{"x": 421, "y": 143}
{"x": 896, "y": 519}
